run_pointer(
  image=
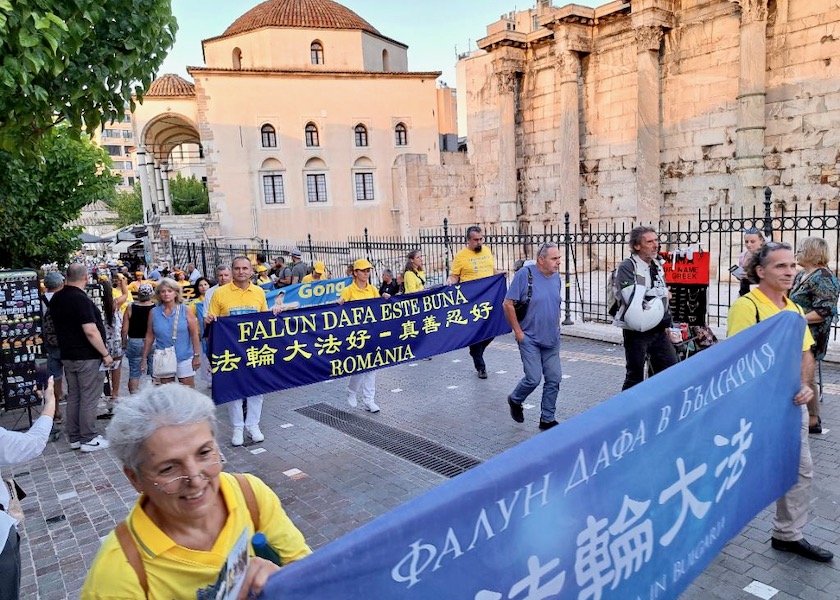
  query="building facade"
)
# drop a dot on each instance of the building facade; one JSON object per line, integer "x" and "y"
{"x": 117, "y": 139}
{"x": 298, "y": 120}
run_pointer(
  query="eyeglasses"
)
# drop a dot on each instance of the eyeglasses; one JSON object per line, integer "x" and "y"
{"x": 211, "y": 466}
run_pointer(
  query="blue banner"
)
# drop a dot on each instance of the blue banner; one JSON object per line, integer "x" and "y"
{"x": 300, "y": 295}
{"x": 629, "y": 500}
{"x": 259, "y": 352}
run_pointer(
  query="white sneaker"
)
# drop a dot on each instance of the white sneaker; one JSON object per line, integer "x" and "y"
{"x": 238, "y": 437}
{"x": 75, "y": 445}
{"x": 371, "y": 406}
{"x": 351, "y": 400}
{"x": 256, "y": 434}
{"x": 97, "y": 443}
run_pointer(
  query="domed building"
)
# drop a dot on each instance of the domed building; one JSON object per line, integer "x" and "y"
{"x": 297, "y": 118}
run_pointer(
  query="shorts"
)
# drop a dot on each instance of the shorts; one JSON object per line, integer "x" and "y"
{"x": 134, "y": 354}
{"x": 185, "y": 369}
{"x": 54, "y": 366}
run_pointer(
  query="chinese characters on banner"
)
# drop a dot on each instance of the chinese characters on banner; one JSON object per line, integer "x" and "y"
{"x": 631, "y": 499}
{"x": 259, "y": 352}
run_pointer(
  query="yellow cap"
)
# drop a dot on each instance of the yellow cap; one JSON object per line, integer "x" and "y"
{"x": 362, "y": 264}
{"x": 320, "y": 268}
{"x": 261, "y": 269}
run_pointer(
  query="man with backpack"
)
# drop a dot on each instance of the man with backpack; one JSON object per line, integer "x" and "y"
{"x": 642, "y": 307}
{"x": 53, "y": 282}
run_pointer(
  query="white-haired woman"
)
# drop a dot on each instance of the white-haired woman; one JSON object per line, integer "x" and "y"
{"x": 190, "y": 514}
{"x": 172, "y": 324}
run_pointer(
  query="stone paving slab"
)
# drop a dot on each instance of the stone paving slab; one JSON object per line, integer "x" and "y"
{"x": 75, "y": 499}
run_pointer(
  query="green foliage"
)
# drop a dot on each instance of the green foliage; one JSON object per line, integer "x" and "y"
{"x": 40, "y": 194}
{"x": 189, "y": 196}
{"x": 128, "y": 205}
{"x": 78, "y": 61}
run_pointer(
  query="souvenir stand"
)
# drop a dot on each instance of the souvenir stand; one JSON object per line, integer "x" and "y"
{"x": 687, "y": 278}
{"x": 20, "y": 339}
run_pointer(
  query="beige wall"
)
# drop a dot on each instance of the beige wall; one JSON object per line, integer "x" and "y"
{"x": 285, "y": 48}
{"x": 447, "y": 110}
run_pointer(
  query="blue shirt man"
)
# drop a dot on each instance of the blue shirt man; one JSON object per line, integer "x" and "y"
{"x": 538, "y": 333}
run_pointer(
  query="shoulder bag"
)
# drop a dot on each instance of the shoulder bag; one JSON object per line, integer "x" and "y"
{"x": 521, "y": 306}
{"x": 164, "y": 361}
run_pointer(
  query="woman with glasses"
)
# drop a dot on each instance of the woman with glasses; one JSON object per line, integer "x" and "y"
{"x": 816, "y": 289}
{"x": 190, "y": 513}
{"x": 753, "y": 239}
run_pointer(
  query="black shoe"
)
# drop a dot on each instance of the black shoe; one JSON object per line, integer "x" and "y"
{"x": 547, "y": 424}
{"x": 816, "y": 429}
{"x": 482, "y": 374}
{"x": 803, "y": 549}
{"x": 515, "y": 410}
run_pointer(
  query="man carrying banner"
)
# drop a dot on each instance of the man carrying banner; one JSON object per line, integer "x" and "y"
{"x": 474, "y": 262}
{"x": 538, "y": 333}
{"x": 238, "y": 298}
{"x": 643, "y": 312}
{"x": 773, "y": 267}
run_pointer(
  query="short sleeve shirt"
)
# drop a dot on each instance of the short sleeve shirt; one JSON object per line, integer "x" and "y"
{"x": 542, "y": 320}
{"x": 742, "y": 314}
{"x": 231, "y": 300}
{"x": 353, "y": 292}
{"x": 469, "y": 265}
{"x": 71, "y": 308}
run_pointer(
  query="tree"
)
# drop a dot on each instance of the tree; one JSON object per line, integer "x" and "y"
{"x": 128, "y": 205}
{"x": 37, "y": 199}
{"x": 189, "y": 196}
{"x": 78, "y": 61}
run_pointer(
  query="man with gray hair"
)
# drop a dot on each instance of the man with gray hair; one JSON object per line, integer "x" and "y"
{"x": 81, "y": 340}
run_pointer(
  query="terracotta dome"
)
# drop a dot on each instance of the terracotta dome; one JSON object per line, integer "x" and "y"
{"x": 310, "y": 14}
{"x": 170, "y": 85}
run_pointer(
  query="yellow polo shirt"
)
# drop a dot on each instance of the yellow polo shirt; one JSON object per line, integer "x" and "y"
{"x": 412, "y": 282}
{"x": 173, "y": 571}
{"x": 231, "y": 300}
{"x": 742, "y": 314}
{"x": 354, "y": 292}
{"x": 468, "y": 265}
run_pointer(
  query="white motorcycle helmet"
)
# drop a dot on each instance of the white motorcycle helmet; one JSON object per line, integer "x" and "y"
{"x": 643, "y": 314}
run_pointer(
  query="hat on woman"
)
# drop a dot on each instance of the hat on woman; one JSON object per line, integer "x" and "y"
{"x": 145, "y": 291}
{"x": 361, "y": 265}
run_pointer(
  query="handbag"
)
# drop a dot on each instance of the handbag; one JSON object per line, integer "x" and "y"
{"x": 15, "y": 496}
{"x": 521, "y": 306}
{"x": 164, "y": 361}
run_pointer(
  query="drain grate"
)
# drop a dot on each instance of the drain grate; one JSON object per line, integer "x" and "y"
{"x": 419, "y": 450}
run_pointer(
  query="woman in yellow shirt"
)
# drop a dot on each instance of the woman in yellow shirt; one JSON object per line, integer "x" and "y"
{"x": 414, "y": 279}
{"x": 361, "y": 289}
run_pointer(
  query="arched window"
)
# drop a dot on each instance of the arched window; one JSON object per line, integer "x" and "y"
{"x": 316, "y": 53}
{"x": 271, "y": 173}
{"x": 311, "y": 133}
{"x": 237, "y": 58}
{"x": 269, "y": 136}
{"x": 386, "y": 61}
{"x": 361, "y": 135}
{"x": 401, "y": 134}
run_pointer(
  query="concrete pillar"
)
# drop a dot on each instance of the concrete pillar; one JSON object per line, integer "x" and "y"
{"x": 167, "y": 197}
{"x": 567, "y": 145}
{"x": 161, "y": 203}
{"x": 648, "y": 183}
{"x": 150, "y": 177}
{"x": 749, "y": 141}
{"x": 507, "y": 87}
{"x": 145, "y": 188}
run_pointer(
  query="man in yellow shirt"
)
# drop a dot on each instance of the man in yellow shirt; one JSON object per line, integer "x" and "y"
{"x": 319, "y": 271}
{"x": 474, "y": 262}
{"x": 240, "y": 297}
{"x": 774, "y": 268}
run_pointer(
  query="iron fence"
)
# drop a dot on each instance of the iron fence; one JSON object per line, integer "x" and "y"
{"x": 589, "y": 253}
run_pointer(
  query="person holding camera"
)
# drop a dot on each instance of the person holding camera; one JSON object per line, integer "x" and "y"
{"x": 535, "y": 290}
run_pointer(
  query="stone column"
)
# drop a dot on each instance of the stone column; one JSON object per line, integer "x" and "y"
{"x": 648, "y": 183}
{"x": 749, "y": 142}
{"x": 161, "y": 202}
{"x": 506, "y": 86}
{"x": 167, "y": 197}
{"x": 150, "y": 177}
{"x": 145, "y": 188}
{"x": 567, "y": 145}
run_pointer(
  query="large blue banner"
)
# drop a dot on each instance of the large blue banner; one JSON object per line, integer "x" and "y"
{"x": 301, "y": 295}
{"x": 629, "y": 500}
{"x": 259, "y": 352}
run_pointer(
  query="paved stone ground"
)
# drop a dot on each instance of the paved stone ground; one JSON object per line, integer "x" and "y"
{"x": 75, "y": 499}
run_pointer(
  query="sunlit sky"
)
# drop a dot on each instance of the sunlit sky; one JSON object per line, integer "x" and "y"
{"x": 434, "y": 30}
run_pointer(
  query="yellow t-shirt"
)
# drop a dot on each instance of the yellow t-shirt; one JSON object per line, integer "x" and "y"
{"x": 354, "y": 292}
{"x": 173, "y": 571}
{"x": 129, "y": 299}
{"x": 412, "y": 282}
{"x": 230, "y": 300}
{"x": 468, "y": 265}
{"x": 742, "y": 314}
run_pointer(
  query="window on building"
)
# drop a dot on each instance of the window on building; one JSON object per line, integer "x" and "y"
{"x": 126, "y": 118}
{"x": 131, "y": 181}
{"x": 386, "y": 61}
{"x": 127, "y": 134}
{"x": 364, "y": 186}
{"x": 269, "y": 136}
{"x": 312, "y": 135}
{"x": 113, "y": 150}
{"x": 361, "y": 135}
{"x": 236, "y": 58}
{"x": 316, "y": 53}
{"x": 316, "y": 187}
{"x": 273, "y": 189}
{"x": 401, "y": 134}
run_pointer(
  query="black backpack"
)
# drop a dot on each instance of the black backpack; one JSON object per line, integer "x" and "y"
{"x": 47, "y": 325}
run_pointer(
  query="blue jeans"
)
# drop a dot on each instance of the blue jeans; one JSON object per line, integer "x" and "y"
{"x": 134, "y": 354}
{"x": 539, "y": 361}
